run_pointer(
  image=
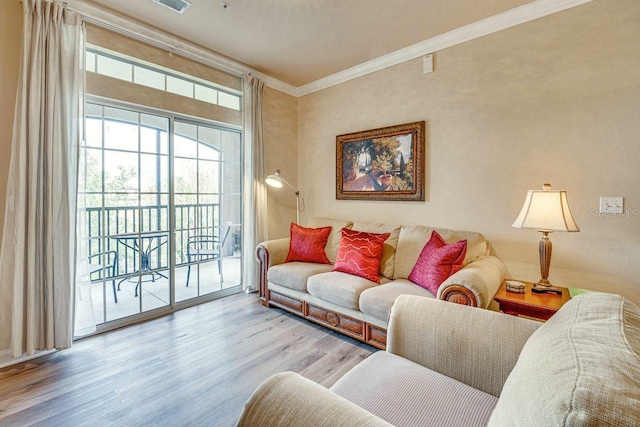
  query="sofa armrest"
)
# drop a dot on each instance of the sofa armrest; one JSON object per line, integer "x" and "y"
{"x": 474, "y": 346}
{"x": 475, "y": 284}
{"x": 271, "y": 252}
{"x": 288, "y": 399}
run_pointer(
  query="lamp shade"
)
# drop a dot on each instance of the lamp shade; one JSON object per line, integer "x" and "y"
{"x": 274, "y": 180}
{"x": 546, "y": 210}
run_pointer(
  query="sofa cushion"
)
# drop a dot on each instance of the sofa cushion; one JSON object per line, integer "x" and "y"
{"x": 331, "y": 249}
{"x": 389, "y": 249}
{"x": 437, "y": 262}
{"x": 405, "y": 393}
{"x": 339, "y": 288}
{"x": 413, "y": 238}
{"x": 377, "y": 301}
{"x": 360, "y": 253}
{"x": 580, "y": 368}
{"x": 307, "y": 244}
{"x": 294, "y": 275}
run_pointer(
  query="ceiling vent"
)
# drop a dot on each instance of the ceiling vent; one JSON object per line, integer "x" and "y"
{"x": 176, "y": 5}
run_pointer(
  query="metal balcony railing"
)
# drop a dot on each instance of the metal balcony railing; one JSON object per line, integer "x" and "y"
{"x": 106, "y": 226}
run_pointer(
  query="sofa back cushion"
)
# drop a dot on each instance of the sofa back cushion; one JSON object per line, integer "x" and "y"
{"x": 389, "y": 250}
{"x": 413, "y": 238}
{"x": 580, "y": 368}
{"x": 331, "y": 249}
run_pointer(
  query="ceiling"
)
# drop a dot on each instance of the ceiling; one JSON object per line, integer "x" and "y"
{"x": 301, "y": 41}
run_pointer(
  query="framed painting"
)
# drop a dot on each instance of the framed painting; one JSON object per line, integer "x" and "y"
{"x": 382, "y": 164}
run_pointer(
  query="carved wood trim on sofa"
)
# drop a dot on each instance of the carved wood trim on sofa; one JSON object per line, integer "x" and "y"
{"x": 362, "y": 331}
{"x": 459, "y": 295}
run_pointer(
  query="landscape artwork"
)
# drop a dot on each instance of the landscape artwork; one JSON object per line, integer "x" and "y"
{"x": 382, "y": 164}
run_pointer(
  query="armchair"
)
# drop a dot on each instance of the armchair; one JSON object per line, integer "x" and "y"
{"x": 207, "y": 247}
{"x": 105, "y": 265}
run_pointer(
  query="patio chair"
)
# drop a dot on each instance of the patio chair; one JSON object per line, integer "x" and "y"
{"x": 104, "y": 263}
{"x": 207, "y": 247}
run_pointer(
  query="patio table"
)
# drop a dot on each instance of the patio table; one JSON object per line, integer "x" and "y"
{"x": 136, "y": 242}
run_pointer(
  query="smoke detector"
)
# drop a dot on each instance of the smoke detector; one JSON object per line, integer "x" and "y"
{"x": 176, "y": 5}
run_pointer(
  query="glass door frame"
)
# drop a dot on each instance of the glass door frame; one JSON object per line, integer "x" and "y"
{"x": 173, "y": 305}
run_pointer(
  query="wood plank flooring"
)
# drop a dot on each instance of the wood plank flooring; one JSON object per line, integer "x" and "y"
{"x": 196, "y": 367}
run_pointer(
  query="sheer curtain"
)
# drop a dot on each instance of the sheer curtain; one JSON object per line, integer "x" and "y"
{"x": 255, "y": 206}
{"x": 38, "y": 245}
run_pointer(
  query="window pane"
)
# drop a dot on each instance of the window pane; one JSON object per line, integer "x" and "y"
{"x": 93, "y": 170}
{"x": 122, "y": 136}
{"x": 231, "y": 147}
{"x": 208, "y": 177}
{"x": 206, "y": 94}
{"x": 185, "y": 173}
{"x": 211, "y": 139}
{"x": 93, "y": 132}
{"x": 232, "y": 177}
{"x": 120, "y": 172}
{"x": 147, "y": 77}
{"x": 160, "y": 127}
{"x": 229, "y": 101}
{"x": 90, "y": 60}
{"x": 114, "y": 68}
{"x": 179, "y": 86}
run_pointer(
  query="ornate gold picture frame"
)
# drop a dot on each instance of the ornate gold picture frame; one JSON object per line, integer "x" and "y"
{"x": 382, "y": 164}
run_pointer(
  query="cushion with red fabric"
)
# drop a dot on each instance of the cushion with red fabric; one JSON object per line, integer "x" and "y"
{"x": 307, "y": 244}
{"x": 359, "y": 253}
{"x": 437, "y": 261}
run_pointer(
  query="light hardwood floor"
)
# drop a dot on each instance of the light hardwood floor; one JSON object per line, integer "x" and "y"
{"x": 196, "y": 367}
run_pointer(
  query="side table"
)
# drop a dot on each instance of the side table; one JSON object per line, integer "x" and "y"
{"x": 537, "y": 306}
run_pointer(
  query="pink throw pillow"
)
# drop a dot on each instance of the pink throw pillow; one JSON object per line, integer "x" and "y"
{"x": 307, "y": 244}
{"x": 437, "y": 261}
{"x": 359, "y": 253}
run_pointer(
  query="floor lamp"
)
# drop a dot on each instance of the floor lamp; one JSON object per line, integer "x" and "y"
{"x": 546, "y": 211}
{"x": 276, "y": 180}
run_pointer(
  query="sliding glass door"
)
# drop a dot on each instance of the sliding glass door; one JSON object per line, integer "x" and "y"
{"x": 161, "y": 212}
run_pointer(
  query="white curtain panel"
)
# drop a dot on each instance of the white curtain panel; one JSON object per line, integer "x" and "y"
{"x": 255, "y": 194}
{"x": 38, "y": 245}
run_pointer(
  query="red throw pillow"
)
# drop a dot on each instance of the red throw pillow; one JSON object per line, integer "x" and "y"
{"x": 359, "y": 253}
{"x": 307, "y": 244}
{"x": 437, "y": 262}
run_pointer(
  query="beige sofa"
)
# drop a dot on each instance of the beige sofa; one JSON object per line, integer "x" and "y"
{"x": 359, "y": 307}
{"x": 450, "y": 365}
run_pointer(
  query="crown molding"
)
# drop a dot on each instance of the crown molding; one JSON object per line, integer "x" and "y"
{"x": 511, "y": 18}
{"x": 114, "y": 21}
{"x": 119, "y": 23}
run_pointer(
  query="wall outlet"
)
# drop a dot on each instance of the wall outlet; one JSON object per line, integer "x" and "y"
{"x": 611, "y": 204}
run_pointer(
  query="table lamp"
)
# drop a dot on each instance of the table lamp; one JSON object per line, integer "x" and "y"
{"x": 547, "y": 211}
{"x": 276, "y": 180}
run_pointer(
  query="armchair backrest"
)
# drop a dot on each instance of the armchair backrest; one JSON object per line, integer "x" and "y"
{"x": 474, "y": 346}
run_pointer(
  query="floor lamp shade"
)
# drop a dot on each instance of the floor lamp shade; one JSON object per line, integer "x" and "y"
{"x": 546, "y": 211}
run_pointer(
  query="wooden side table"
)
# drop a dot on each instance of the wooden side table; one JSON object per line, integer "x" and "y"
{"x": 537, "y": 306}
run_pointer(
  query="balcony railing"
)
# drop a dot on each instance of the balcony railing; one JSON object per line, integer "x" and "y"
{"x": 104, "y": 225}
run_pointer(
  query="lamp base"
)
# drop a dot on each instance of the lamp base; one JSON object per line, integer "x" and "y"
{"x": 539, "y": 288}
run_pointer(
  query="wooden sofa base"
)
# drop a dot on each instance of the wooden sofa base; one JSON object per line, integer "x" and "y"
{"x": 358, "y": 329}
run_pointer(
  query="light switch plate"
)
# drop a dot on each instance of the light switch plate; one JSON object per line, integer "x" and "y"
{"x": 611, "y": 204}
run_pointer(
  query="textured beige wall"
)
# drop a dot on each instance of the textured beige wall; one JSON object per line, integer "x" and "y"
{"x": 280, "y": 124}
{"x": 554, "y": 100}
{"x": 10, "y": 42}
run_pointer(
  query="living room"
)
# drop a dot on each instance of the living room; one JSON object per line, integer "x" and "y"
{"x": 554, "y": 99}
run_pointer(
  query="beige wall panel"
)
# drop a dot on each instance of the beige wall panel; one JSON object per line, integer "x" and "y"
{"x": 280, "y": 121}
{"x": 137, "y": 94}
{"x": 554, "y": 100}
{"x": 119, "y": 43}
{"x": 10, "y": 43}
